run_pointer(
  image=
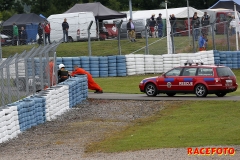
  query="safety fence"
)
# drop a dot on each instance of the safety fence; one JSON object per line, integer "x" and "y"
{"x": 44, "y": 106}
{"x": 24, "y": 74}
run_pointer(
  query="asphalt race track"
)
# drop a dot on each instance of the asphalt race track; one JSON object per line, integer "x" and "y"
{"x": 160, "y": 97}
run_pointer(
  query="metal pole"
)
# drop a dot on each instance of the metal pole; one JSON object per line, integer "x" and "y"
{"x": 228, "y": 42}
{"x": 130, "y": 8}
{"x": 98, "y": 28}
{"x": 194, "y": 49}
{"x": 119, "y": 45}
{"x": 213, "y": 34}
{"x": 89, "y": 39}
{"x": 189, "y": 33}
{"x": 236, "y": 26}
{"x": 172, "y": 34}
{"x": 0, "y": 48}
{"x": 146, "y": 36}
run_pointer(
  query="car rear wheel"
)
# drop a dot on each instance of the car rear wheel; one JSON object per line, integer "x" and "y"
{"x": 171, "y": 94}
{"x": 220, "y": 94}
{"x": 151, "y": 89}
{"x": 200, "y": 90}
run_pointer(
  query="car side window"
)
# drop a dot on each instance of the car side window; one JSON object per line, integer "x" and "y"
{"x": 205, "y": 72}
{"x": 189, "y": 71}
{"x": 174, "y": 72}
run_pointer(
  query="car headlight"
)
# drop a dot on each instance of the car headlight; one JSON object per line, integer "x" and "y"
{"x": 141, "y": 82}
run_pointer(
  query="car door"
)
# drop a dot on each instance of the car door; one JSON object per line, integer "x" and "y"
{"x": 169, "y": 81}
{"x": 187, "y": 79}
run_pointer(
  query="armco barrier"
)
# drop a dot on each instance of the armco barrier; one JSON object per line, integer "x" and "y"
{"x": 44, "y": 106}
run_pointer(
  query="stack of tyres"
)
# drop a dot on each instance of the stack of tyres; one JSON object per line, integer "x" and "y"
{"x": 216, "y": 55}
{"x": 158, "y": 64}
{"x": 59, "y": 61}
{"x": 94, "y": 66}
{"x": 140, "y": 63}
{"x": 112, "y": 66}
{"x": 68, "y": 62}
{"x": 39, "y": 109}
{"x": 238, "y": 57}
{"x": 85, "y": 64}
{"x": 229, "y": 58}
{"x": 103, "y": 66}
{"x": 223, "y": 58}
{"x": 37, "y": 66}
{"x": 130, "y": 64}
{"x": 121, "y": 66}
{"x": 234, "y": 60}
{"x": 29, "y": 67}
{"x": 76, "y": 62}
{"x": 148, "y": 64}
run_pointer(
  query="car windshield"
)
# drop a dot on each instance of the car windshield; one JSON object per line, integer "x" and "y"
{"x": 224, "y": 72}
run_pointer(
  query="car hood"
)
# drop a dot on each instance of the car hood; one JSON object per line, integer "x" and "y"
{"x": 150, "y": 79}
{"x": 3, "y": 36}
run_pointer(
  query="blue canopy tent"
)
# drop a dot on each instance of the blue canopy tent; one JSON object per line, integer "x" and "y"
{"x": 227, "y": 4}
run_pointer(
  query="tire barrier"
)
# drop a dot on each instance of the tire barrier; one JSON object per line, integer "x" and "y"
{"x": 121, "y": 66}
{"x": 227, "y": 58}
{"x": 112, "y": 66}
{"x": 94, "y": 66}
{"x": 44, "y": 106}
{"x": 103, "y": 66}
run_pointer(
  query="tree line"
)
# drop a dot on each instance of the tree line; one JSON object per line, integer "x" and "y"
{"x": 49, "y": 7}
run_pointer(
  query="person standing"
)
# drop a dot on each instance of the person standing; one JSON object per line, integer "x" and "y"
{"x": 202, "y": 42}
{"x": 131, "y": 31}
{"x": 152, "y": 25}
{"x": 65, "y": 28}
{"x": 23, "y": 36}
{"x": 195, "y": 23}
{"x": 205, "y": 22}
{"x": 173, "y": 23}
{"x": 40, "y": 33}
{"x": 15, "y": 34}
{"x": 91, "y": 83}
{"x": 47, "y": 30}
{"x": 160, "y": 24}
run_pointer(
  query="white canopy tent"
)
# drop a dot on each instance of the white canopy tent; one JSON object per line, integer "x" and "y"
{"x": 181, "y": 12}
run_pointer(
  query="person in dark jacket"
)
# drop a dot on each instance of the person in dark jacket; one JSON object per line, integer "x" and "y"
{"x": 62, "y": 73}
{"x": 131, "y": 31}
{"x": 152, "y": 24}
{"x": 65, "y": 28}
{"x": 195, "y": 24}
{"x": 40, "y": 33}
{"x": 23, "y": 36}
{"x": 160, "y": 25}
{"x": 172, "y": 20}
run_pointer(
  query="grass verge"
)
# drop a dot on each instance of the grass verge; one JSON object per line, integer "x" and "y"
{"x": 184, "y": 124}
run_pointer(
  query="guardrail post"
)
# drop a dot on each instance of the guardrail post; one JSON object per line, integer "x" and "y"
{"x": 146, "y": 37}
{"x": 119, "y": 37}
{"x": 89, "y": 39}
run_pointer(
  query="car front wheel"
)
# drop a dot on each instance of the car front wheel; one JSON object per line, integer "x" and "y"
{"x": 200, "y": 90}
{"x": 220, "y": 94}
{"x": 151, "y": 89}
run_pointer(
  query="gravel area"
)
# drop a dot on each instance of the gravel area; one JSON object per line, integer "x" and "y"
{"x": 66, "y": 137}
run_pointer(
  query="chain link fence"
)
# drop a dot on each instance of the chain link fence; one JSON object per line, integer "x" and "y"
{"x": 25, "y": 74}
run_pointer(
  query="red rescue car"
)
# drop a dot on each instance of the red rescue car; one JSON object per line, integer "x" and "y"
{"x": 192, "y": 78}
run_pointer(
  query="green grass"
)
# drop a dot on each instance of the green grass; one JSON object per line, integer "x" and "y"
{"x": 129, "y": 84}
{"x": 185, "y": 124}
{"x": 110, "y": 47}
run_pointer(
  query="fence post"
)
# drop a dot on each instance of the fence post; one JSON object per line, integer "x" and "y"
{"x": 89, "y": 39}
{"x": 119, "y": 37}
{"x": 228, "y": 42}
{"x": 0, "y": 48}
{"x": 146, "y": 36}
{"x": 194, "y": 49}
{"x": 172, "y": 34}
{"x": 213, "y": 33}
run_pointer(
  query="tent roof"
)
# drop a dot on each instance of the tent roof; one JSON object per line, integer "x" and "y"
{"x": 100, "y": 11}
{"x": 227, "y": 4}
{"x": 22, "y": 19}
{"x": 181, "y": 12}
